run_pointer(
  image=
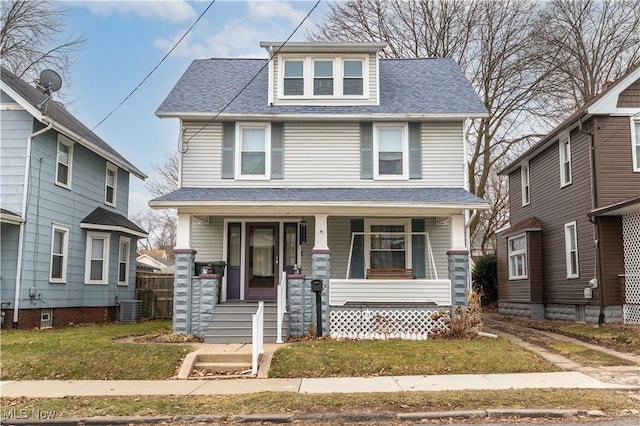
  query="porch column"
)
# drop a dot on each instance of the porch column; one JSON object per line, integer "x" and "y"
{"x": 183, "y": 232}
{"x": 321, "y": 266}
{"x": 182, "y": 285}
{"x": 458, "y": 240}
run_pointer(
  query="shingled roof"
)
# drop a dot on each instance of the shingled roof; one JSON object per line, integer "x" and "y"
{"x": 108, "y": 220}
{"x": 69, "y": 124}
{"x": 428, "y": 86}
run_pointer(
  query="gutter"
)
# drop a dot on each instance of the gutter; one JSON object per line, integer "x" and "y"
{"x": 25, "y": 190}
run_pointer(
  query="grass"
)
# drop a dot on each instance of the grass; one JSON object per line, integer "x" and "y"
{"x": 331, "y": 358}
{"x": 585, "y": 356}
{"x": 611, "y": 402}
{"x": 88, "y": 352}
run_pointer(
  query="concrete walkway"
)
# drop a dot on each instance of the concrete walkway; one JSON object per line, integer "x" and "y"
{"x": 62, "y": 388}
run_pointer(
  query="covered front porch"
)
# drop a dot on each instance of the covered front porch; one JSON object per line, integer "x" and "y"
{"x": 389, "y": 255}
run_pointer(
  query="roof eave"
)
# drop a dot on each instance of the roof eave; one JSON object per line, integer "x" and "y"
{"x": 323, "y": 117}
{"x": 408, "y": 205}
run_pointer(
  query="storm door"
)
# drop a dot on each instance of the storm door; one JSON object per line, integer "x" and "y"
{"x": 261, "y": 261}
{"x": 234, "y": 254}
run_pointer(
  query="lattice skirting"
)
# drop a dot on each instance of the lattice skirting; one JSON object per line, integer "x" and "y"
{"x": 631, "y": 314}
{"x": 374, "y": 324}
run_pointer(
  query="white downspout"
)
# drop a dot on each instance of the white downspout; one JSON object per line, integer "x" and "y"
{"x": 27, "y": 167}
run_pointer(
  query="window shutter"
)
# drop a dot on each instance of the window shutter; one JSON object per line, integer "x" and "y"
{"x": 277, "y": 151}
{"x": 357, "y": 253}
{"x": 366, "y": 151}
{"x": 228, "y": 142}
{"x": 415, "y": 151}
{"x": 418, "y": 250}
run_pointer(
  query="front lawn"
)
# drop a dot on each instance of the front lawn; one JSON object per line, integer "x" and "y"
{"x": 88, "y": 353}
{"x": 331, "y": 358}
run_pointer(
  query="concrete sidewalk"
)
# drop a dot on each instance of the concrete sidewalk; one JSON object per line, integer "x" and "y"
{"x": 62, "y": 388}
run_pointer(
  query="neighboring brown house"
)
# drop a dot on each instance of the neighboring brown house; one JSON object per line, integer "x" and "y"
{"x": 572, "y": 251}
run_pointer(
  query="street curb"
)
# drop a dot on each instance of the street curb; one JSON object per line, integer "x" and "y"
{"x": 345, "y": 417}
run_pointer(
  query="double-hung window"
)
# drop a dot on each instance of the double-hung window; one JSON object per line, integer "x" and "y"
{"x": 59, "y": 254}
{"x": 97, "y": 258}
{"x": 571, "y": 249}
{"x": 635, "y": 141}
{"x": 64, "y": 160}
{"x": 254, "y": 154}
{"x": 390, "y": 151}
{"x": 565, "y": 160}
{"x": 517, "y": 257}
{"x": 111, "y": 181}
{"x": 322, "y": 77}
{"x": 388, "y": 245}
{"x": 352, "y": 78}
{"x": 123, "y": 261}
{"x": 526, "y": 189}
{"x": 293, "y": 82}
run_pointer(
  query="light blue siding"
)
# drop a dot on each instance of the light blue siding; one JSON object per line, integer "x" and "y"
{"x": 15, "y": 128}
{"x": 9, "y": 235}
{"x": 49, "y": 204}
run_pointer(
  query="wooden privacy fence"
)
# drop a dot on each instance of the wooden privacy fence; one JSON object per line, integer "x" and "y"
{"x": 156, "y": 293}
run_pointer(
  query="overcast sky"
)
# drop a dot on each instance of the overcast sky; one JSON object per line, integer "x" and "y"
{"x": 127, "y": 39}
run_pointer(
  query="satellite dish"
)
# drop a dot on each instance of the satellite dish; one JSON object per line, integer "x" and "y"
{"x": 50, "y": 81}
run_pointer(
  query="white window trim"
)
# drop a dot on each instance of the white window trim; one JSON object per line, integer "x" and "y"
{"x": 565, "y": 180}
{"x": 635, "y": 143}
{"x": 405, "y": 151}
{"x": 114, "y": 169}
{"x": 105, "y": 258}
{"x": 238, "y": 151}
{"x": 338, "y": 76}
{"x": 62, "y": 140}
{"x": 65, "y": 253}
{"x": 128, "y": 262}
{"x": 526, "y": 189}
{"x": 391, "y": 221}
{"x": 568, "y": 252}
{"x": 518, "y": 253}
{"x": 333, "y": 78}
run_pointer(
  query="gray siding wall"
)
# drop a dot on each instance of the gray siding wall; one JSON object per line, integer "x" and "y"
{"x": 326, "y": 154}
{"x": 556, "y": 206}
{"x": 49, "y": 203}
{"x": 15, "y": 128}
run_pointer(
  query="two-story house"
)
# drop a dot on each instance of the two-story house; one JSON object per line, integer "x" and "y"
{"x": 572, "y": 251}
{"x": 323, "y": 162}
{"x": 68, "y": 251}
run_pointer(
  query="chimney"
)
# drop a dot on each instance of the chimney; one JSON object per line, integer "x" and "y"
{"x": 606, "y": 85}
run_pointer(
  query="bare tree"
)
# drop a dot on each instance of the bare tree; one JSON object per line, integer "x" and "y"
{"x": 28, "y": 38}
{"x": 598, "y": 41}
{"x": 167, "y": 177}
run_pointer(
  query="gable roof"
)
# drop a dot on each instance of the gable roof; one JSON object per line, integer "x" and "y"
{"x": 62, "y": 120}
{"x": 103, "y": 219}
{"x": 424, "y": 87}
{"x": 597, "y": 105}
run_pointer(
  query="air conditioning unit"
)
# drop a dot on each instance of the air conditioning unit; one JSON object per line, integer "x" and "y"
{"x": 130, "y": 310}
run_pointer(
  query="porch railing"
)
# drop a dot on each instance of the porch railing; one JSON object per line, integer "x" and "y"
{"x": 257, "y": 337}
{"x": 355, "y": 291}
{"x": 430, "y": 261}
{"x": 282, "y": 305}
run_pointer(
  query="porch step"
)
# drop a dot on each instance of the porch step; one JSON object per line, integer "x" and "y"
{"x": 232, "y": 322}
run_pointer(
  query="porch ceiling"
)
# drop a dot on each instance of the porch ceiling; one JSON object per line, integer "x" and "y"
{"x": 335, "y": 201}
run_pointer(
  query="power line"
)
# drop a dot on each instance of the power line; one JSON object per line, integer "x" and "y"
{"x": 252, "y": 78}
{"x": 158, "y": 65}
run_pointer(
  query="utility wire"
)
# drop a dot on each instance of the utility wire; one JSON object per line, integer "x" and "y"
{"x": 252, "y": 78}
{"x": 156, "y": 67}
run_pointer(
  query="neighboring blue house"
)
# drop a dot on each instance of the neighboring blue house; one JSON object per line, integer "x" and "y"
{"x": 68, "y": 251}
{"x": 324, "y": 162}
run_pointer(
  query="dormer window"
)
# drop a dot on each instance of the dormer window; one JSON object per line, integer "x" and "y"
{"x": 352, "y": 83}
{"x": 324, "y": 77}
{"x": 293, "y": 78}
